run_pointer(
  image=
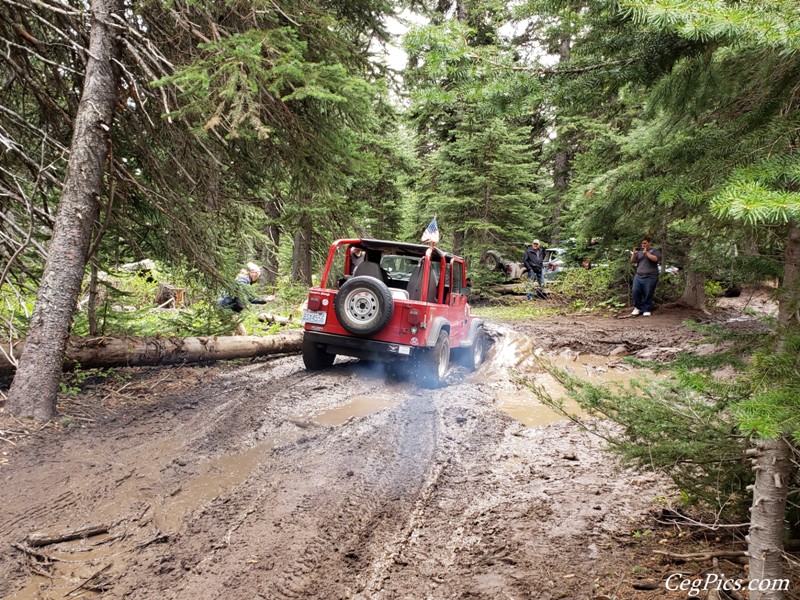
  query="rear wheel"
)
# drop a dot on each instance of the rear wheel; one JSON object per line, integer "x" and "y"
{"x": 436, "y": 361}
{"x": 315, "y": 356}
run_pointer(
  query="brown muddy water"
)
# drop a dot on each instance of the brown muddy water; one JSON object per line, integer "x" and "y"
{"x": 515, "y": 356}
{"x": 356, "y": 406}
{"x": 76, "y": 561}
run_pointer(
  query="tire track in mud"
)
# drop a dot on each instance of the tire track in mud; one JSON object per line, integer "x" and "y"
{"x": 375, "y": 506}
{"x": 439, "y": 530}
{"x": 331, "y": 514}
{"x": 37, "y": 513}
{"x": 318, "y": 504}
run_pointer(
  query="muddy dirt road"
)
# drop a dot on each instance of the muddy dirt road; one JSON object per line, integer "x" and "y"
{"x": 260, "y": 480}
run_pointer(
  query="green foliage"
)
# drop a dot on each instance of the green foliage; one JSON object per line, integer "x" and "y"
{"x": 764, "y": 192}
{"x": 277, "y": 107}
{"x": 480, "y": 180}
{"x": 15, "y": 311}
{"x": 127, "y": 307}
{"x": 713, "y": 289}
{"x": 472, "y": 115}
{"x": 79, "y": 379}
{"x": 592, "y": 288}
{"x": 772, "y": 23}
{"x": 693, "y": 420}
{"x": 773, "y": 407}
{"x": 677, "y": 426}
{"x": 514, "y": 311}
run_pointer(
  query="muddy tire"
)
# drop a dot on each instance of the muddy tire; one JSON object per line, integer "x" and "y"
{"x": 364, "y": 305}
{"x": 315, "y": 356}
{"x": 434, "y": 362}
{"x": 472, "y": 358}
{"x": 492, "y": 261}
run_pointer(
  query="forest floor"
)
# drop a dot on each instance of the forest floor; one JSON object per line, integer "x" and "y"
{"x": 256, "y": 479}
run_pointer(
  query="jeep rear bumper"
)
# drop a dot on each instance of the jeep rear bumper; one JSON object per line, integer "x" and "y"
{"x": 361, "y": 348}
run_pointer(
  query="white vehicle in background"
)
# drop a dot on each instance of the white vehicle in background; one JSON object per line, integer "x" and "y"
{"x": 555, "y": 262}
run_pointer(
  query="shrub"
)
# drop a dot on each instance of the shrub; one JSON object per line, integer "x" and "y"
{"x": 590, "y": 287}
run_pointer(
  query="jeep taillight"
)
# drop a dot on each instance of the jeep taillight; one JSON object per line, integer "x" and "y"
{"x": 413, "y": 317}
{"x": 314, "y": 302}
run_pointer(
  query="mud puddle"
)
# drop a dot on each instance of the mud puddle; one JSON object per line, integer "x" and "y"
{"x": 78, "y": 567}
{"x": 222, "y": 474}
{"x": 357, "y": 406}
{"x": 517, "y": 356}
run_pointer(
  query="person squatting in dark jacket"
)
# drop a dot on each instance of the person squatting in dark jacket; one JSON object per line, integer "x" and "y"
{"x": 534, "y": 262}
{"x": 237, "y": 299}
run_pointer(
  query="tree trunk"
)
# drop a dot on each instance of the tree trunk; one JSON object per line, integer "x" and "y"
{"x": 461, "y": 11}
{"x": 694, "y": 293}
{"x": 772, "y": 464}
{"x": 269, "y": 250}
{"x": 92, "y": 353}
{"x": 664, "y": 239}
{"x": 301, "y": 254}
{"x": 789, "y": 305}
{"x": 561, "y": 161}
{"x": 33, "y": 392}
{"x": 458, "y": 242}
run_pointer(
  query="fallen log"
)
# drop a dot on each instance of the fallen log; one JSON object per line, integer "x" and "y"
{"x": 101, "y": 352}
{"x": 506, "y": 288}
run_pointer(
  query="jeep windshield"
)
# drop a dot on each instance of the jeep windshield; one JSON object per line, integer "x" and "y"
{"x": 399, "y": 267}
{"x": 401, "y": 257}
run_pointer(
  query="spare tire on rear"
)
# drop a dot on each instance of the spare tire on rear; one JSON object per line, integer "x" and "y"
{"x": 364, "y": 305}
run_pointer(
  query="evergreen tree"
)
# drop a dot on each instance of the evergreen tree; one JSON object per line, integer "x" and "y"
{"x": 256, "y": 107}
{"x": 476, "y": 137}
{"x": 722, "y": 131}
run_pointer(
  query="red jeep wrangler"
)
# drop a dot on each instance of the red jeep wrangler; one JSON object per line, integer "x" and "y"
{"x": 404, "y": 304}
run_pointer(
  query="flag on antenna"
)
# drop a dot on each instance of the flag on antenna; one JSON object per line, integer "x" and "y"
{"x": 431, "y": 234}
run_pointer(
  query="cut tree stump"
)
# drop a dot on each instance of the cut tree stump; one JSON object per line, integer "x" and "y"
{"x": 135, "y": 352}
{"x": 169, "y": 294}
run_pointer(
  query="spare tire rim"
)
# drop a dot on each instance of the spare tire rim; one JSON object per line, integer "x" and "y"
{"x": 362, "y": 306}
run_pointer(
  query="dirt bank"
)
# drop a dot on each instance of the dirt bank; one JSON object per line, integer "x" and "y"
{"x": 259, "y": 480}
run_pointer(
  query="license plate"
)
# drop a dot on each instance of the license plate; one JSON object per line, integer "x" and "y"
{"x": 318, "y": 317}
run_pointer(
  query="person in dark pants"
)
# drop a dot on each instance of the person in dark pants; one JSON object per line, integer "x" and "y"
{"x": 646, "y": 259}
{"x": 534, "y": 260}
